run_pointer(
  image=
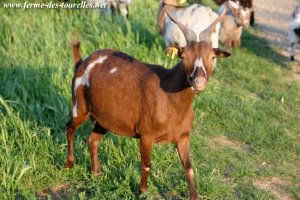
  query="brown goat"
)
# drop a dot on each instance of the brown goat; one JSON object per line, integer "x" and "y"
{"x": 139, "y": 100}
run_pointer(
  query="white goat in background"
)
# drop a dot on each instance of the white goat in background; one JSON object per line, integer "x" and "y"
{"x": 195, "y": 17}
{"x": 294, "y": 31}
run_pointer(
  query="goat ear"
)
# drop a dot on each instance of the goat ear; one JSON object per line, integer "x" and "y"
{"x": 174, "y": 50}
{"x": 234, "y": 6}
{"x": 220, "y": 53}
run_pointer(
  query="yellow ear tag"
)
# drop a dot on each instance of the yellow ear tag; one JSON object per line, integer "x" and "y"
{"x": 182, "y": 2}
{"x": 174, "y": 52}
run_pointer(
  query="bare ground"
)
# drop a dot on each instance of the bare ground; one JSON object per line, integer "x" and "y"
{"x": 223, "y": 142}
{"x": 275, "y": 186}
{"x": 56, "y": 193}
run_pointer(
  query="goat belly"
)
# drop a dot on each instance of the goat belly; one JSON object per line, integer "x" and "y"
{"x": 116, "y": 112}
{"x": 115, "y": 96}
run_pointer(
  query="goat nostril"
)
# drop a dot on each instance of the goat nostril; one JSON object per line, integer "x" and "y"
{"x": 199, "y": 81}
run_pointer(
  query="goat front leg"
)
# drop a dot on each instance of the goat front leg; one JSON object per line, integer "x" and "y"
{"x": 93, "y": 140}
{"x": 145, "y": 150}
{"x": 184, "y": 154}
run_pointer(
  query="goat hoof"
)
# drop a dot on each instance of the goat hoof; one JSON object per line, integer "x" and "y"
{"x": 142, "y": 190}
{"x": 69, "y": 164}
{"x": 97, "y": 172}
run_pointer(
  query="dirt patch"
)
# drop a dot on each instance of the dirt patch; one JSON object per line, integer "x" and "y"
{"x": 274, "y": 186}
{"x": 223, "y": 142}
{"x": 55, "y": 193}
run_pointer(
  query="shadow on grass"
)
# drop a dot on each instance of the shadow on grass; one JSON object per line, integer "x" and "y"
{"x": 37, "y": 105}
{"x": 261, "y": 48}
{"x": 36, "y": 97}
{"x": 141, "y": 33}
{"x": 146, "y": 37}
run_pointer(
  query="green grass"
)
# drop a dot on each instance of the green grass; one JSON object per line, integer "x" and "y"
{"x": 251, "y": 99}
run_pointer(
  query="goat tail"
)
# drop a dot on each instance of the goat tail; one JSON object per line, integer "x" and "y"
{"x": 76, "y": 51}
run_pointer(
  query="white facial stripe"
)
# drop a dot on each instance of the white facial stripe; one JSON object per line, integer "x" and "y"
{"x": 84, "y": 79}
{"x": 198, "y": 63}
{"x": 74, "y": 111}
{"x": 113, "y": 70}
{"x": 194, "y": 70}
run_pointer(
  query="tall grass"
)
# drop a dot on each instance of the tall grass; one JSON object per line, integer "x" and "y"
{"x": 251, "y": 99}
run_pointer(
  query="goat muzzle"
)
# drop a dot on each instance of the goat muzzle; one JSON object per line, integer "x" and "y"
{"x": 198, "y": 80}
{"x": 198, "y": 83}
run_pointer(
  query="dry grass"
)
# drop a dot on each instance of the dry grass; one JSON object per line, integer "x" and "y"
{"x": 55, "y": 193}
{"x": 274, "y": 185}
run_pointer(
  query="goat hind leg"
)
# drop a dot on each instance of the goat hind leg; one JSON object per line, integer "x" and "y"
{"x": 93, "y": 140}
{"x": 72, "y": 127}
{"x": 80, "y": 114}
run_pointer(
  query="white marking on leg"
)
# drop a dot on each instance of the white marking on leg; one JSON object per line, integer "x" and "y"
{"x": 191, "y": 172}
{"x": 84, "y": 80}
{"x": 74, "y": 111}
{"x": 113, "y": 70}
{"x": 147, "y": 169}
{"x": 76, "y": 85}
